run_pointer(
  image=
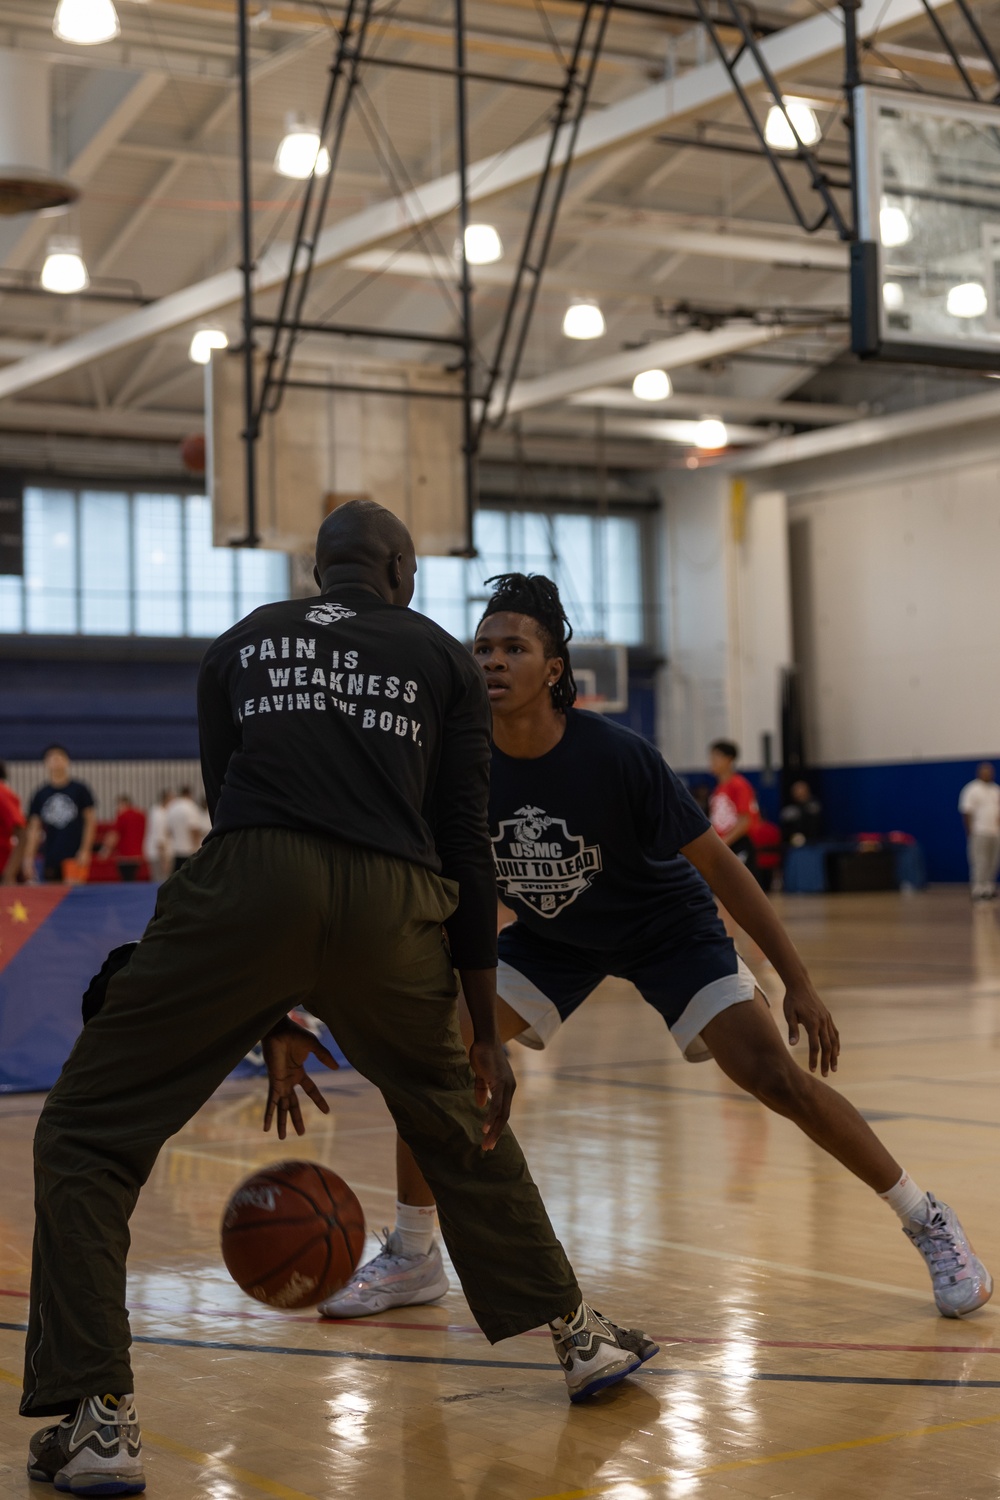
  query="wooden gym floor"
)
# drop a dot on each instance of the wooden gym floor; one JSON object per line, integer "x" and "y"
{"x": 802, "y": 1355}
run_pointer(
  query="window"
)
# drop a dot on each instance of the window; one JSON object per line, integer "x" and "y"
{"x": 595, "y": 560}
{"x": 108, "y": 562}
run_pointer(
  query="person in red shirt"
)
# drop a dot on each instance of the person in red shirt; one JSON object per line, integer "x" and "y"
{"x": 11, "y": 824}
{"x": 732, "y": 806}
{"x": 125, "y": 838}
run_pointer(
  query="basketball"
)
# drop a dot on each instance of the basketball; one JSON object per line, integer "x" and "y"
{"x": 292, "y": 1234}
{"x": 193, "y": 453}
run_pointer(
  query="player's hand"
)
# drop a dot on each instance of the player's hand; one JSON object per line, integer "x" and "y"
{"x": 286, "y": 1048}
{"x": 495, "y": 1085}
{"x": 805, "y": 1010}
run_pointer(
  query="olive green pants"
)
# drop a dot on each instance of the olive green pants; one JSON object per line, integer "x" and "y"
{"x": 256, "y": 922}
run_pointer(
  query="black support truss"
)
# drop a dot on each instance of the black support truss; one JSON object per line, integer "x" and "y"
{"x": 485, "y": 383}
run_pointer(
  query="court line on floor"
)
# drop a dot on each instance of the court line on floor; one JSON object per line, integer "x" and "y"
{"x": 565, "y": 1076}
{"x": 741, "y": 1342}
{"x": 372, "y": 1356}
{"x": 202, "y": 1460}
{"x": 735, "y": 1465}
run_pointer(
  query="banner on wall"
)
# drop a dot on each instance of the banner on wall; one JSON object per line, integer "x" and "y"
{"x": 53, "y": 940}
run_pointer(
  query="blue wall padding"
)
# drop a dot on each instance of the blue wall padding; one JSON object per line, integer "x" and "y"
{"x": 42, "y": 985}
{"x": 102, "y": 710}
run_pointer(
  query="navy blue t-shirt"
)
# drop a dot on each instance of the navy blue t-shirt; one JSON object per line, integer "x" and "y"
{"x": 61, "y": 810}
{"x": 586, "y": 842}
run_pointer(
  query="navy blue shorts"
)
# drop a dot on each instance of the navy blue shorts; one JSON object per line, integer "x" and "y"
{"x": 688, "y": 983}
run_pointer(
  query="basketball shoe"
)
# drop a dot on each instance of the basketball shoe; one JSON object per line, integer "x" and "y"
{"x": 391, "y": 1279}
{"x": 961, "y": 1282}
{"x": 595, "y": 1353}
{"x": 97, "y": 1450}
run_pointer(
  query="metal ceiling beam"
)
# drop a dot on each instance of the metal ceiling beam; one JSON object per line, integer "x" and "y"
{"x": 665, "y": 354}
{"x": 944, "y": 416}
{"x": 634, "y": 118}
{"x": 806, "y": 413}
{"x": 52, "y": 416}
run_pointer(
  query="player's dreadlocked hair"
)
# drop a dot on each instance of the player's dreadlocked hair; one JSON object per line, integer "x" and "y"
{"x": 536, "y": 596}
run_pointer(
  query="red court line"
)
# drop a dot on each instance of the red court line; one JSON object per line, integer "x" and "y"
{"x": 541, "y": 1333}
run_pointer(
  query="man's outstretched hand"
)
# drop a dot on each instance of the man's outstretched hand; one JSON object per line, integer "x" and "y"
{"x": 495, "y": 1085}
{"x": 286, "y": 1048}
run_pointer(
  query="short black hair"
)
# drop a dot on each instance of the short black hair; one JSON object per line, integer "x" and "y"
{"x": 56, "y": 746}
{"x": 3, "y": 770}
{"x": 360, "y": 532}
{"x": 536, "y": 596}
{"x": 728, "y": 748}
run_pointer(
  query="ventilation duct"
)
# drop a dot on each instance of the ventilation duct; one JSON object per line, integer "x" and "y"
{"x": 27, "y": 184}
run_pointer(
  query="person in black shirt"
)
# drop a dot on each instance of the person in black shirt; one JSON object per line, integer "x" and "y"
{"x": 61, "y": 818}
{"x": 802, "y": 816}
{"x": 345, "y": 748}
{"x": 610, "y": 867}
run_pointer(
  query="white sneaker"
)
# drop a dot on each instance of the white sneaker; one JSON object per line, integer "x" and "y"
{"x": 391, "y": 1279}
{"x": 595, "y": 1353}
{"x": 961, "y": 1282}
{"x": 96, "y": 1450}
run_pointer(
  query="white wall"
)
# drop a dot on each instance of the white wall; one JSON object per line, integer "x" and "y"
{"x": 727, "y": 617}
{"x": 897, "y": 582}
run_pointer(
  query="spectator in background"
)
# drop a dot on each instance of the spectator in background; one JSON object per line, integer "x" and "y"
{"x": 979, "y": 805}
{"x": 802, "y": 816}
{"x": 156, "y": 845}
{"x": 732, "y": 806}
{"x": 61, "y": 819}
{"x": 11, "y": 830}
{"x": 125, "y": 837}
{"x": 185, "y": 827}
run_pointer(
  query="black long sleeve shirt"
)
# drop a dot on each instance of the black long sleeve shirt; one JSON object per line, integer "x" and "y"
{"x": 348, "y": 716}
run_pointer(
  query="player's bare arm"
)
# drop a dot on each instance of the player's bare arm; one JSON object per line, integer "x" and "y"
{"x": 743, "y": 898}
{"x": 495, "y": 1082}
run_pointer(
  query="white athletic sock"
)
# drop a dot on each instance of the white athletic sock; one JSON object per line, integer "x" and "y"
{"x": 908, "y": 1201}
{"x": 415, "y": 1228}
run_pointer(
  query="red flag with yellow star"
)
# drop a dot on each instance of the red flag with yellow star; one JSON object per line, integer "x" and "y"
{"x": 23, "y": 909}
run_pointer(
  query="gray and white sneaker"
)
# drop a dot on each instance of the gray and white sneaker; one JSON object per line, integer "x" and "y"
{"x": 97, "y": 1450}
{"x": 390, "y": 1279}
{"x": 961, "y": 1282}
{"x": 595, "y": 1353}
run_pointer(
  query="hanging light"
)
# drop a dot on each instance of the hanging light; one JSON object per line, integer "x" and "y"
{"x": 892, "y": 296}
{"x": 86, "y": 22}
{"x": 710, "y": 434}
{"x": 300, "y": 154}
{"x": 483, "y": 245}
{"x": 64, "y": 270}
{"x": 204, "y": 341}
{"x": 652, "y": 385}
{"x": 584, "y": 320}
{"x": 893, "y": 226}
{"x": 778, "y": 131}
{"x": 967, "y": 300}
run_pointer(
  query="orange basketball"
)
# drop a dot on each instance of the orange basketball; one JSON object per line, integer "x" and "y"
{"x": 292, "y": 1234}
{"x": 193, "y": 453}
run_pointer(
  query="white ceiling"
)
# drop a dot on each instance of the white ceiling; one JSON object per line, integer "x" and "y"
{"x": 147, "y": 126}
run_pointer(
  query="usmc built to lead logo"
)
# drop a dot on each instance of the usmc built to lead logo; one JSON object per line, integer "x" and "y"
{"x": 541, "y": 863}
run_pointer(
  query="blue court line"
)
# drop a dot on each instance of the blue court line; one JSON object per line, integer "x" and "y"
{"x": 508, "y": 1364}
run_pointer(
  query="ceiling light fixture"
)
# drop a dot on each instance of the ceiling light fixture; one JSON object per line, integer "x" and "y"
{"x": 893, "y": 226}
{"x": 86, "y": 22}
{"x": 892, "y": 296}
{"x": 300, "y": 154}
{"x": 783, "y": 124}
{"x": 483, "y": 245}
{"x": 64, "y": 270}
{"x": 584, "y": 320}
{"x": 204, "y": 341}
{"x": 710, "y": 434}
{"x": 652, "y": 385}
{"x": 967, "y": 300}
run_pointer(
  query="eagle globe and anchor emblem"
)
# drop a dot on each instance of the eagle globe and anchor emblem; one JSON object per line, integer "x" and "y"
{"x": 329, "y": 614}
{"x": 541, "y": 863}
